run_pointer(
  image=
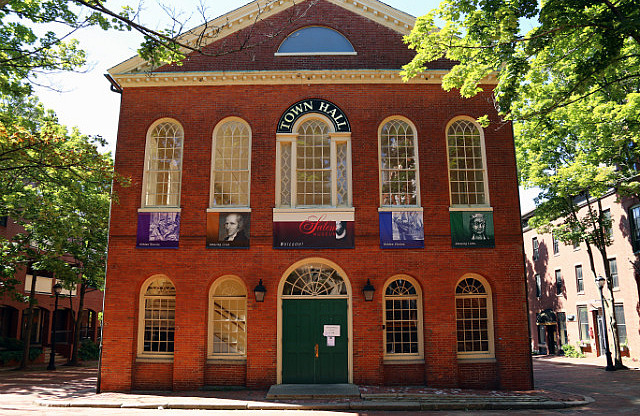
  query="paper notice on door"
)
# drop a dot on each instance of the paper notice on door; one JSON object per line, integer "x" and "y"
{"x": 331, "y": 331}
{"x": 331, "y": 341}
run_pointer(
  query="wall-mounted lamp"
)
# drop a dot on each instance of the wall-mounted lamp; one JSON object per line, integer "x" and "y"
{"x": 259, "y": 292}
{"x": 368, "y": 290}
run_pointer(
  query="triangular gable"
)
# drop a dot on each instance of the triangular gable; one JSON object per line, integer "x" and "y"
{"x": 243, "y": 17}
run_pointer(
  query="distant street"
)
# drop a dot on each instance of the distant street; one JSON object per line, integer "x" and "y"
{"x": 614, "y": 393}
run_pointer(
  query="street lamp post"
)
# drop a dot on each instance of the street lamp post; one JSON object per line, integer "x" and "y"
{"x": 600, "y": 281}
{"x": 57, "y": 288}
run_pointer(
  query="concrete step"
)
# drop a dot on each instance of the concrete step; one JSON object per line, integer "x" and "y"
{"x": 313, "y": 391}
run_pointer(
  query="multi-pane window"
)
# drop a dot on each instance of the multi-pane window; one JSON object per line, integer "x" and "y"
{"x": 399, "y": 177}
{"x": 613, "y": 269}
{"x": 634, "y": 222}
{"x": 158, "y": 323}
{"x": 536, "y": 248}
{"x": 542, "y": 335}
{"x": 467, "y": 175}
{"x": 562, "y": 328}
{"x": 608, "y": 225}
{"x": 583, "y": 323}
{"x": 315, "y": 167}
{"x": 538, "y": 285}
{"x": 228, "y": 319}
{"x": 559, "y": 282}
{"x": 620, "y": 323}
{"x": 556, "y": 245}
{"x": 402, "y": 319}
{"x": 230, "y": 165}
{"x": 579, "y": 280}
{"x": 473, "y": 318}
{"x": 163, "y": 165}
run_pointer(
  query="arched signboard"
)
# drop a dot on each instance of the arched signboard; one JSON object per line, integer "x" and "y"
{"x": 313, "y": 105}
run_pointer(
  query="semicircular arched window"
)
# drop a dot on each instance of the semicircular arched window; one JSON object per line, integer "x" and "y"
{"x": 474, "y": 319}
{"x": 228, "y": 319}
{"x": 402, "y": 317}
{"x": 316, "y": 40}
{"x": 314, "y": 279}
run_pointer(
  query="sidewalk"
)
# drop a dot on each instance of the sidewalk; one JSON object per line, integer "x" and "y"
{"x": 73, "y": 387}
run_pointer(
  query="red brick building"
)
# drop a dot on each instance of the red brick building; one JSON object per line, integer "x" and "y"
{"x": 14, "y": 313}
{"x": 303, "y": 166}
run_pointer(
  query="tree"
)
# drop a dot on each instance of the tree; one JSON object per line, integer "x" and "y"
{"x": 572, "y": 87}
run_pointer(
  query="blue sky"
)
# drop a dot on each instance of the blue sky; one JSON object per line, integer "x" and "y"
{"x": 83, "y": 99}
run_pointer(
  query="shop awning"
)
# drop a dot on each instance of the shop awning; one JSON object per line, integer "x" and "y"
{"x": 546, "y": 317}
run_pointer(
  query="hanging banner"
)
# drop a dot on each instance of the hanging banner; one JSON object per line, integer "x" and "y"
{"x": 158, "y": 230}
{"x": 472, "y": 229}
{"x": 314, "y": 231}
{"x": 228, "y": 229}
{"x": 401, "y": 229}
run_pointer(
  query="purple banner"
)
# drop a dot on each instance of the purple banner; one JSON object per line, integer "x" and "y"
{"x": 401, "y": 229}
{"x": 158, "y": 230}
{"x": 313, "y": 232}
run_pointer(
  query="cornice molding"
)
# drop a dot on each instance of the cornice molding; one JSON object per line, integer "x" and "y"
{"x": 246, "y": 15}
{"x": 364, "y": 76}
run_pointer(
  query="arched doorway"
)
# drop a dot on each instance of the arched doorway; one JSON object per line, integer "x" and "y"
{"x": 314, "y": 324}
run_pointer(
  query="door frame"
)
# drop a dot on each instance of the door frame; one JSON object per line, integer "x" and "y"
{"x": 349, "y": 333}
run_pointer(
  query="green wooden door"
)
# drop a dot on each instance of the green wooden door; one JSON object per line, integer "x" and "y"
{"x": 303, "y": 322}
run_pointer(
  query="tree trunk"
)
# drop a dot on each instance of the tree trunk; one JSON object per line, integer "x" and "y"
{"x": 77, "y": 326}
{"x": 27, "y": 333}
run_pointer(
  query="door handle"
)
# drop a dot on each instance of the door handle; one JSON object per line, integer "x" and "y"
{"x": 315, "y": 350}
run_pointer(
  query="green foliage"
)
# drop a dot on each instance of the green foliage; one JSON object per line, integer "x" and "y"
{"x": 571, "y": 351}
{"x": 88, "y": 350}
{"x": 11, "y": 349}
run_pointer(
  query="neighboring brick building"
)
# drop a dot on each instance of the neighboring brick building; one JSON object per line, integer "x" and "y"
{"x": 560, "y": 280}
{"x": 305, "y": 167}
{"x": 13, "y": 313}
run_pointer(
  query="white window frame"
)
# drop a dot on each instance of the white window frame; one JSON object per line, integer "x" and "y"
{"x": 289, "y": 139}
{"x": 487, "y": 202}
{"x": 476, "y": 355}
{"x": 165, "y": 356}
{"x": 210, "y": 350}
{"x": 417, "y": 163}
{"x": 214, "y": 143}
{"x": 146, "y": 173}
{"x": 420, "y": 312}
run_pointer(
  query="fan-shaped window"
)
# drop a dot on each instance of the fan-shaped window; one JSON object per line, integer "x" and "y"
{"x": 315, "y": 40}
{"x": 158, "y": 310}
{"x": 163, "y": 165}
{"x": 228, "y": 319}
{"x": 474, "y": 319}
{"x": 315, "y": 279}
{"x": 402, "y": 319}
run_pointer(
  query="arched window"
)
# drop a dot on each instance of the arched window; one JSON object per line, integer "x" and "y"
{"x": 474, "y": 319}
{"x": 230, "y": 166}
{"x": 315, "y": 167}
{"x": 157, "y": 317}
{"x": 315, "y": 40}
{"x": 467, "y": 168}
{"x": 228, "y": 319}
{"x": 403, "y": 318}
{"x": 399, "y": 177}
{"x": 163, "y": 165}
{"x": 314, "y": 279}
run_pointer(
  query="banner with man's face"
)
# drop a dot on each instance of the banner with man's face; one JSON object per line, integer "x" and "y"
{"x": 228, "y": 229}
{"x": 472, "y": 229}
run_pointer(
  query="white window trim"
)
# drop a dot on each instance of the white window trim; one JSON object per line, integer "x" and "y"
{"x": 143, "y": 355}
{"x": 402, "y": 357}
{"x": 291, "y": 138}
{"x": 235, "y": 358}
{"x": 490, "y": 354}
{"x": 145, "y": 170}
{"x": 417, "y": 157}
{"x": 484, "y": 164}
{"x": 213, "y": 154}
{"x": 575, "y": 278}
{"x": 315, "y": 53}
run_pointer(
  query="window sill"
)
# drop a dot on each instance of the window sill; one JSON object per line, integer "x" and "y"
{"x": 402, "y": 361}
{"x": 400, "y": 208}
{"x": 151, "y": 359}
{"x": 470, "y": 208}
{"x": 227, "y": 360}
{"x": 315, "y": 53}
{"x": 160, "y": 209}
{"x": 478, "y": 360}
{"x": 229, "y": 209}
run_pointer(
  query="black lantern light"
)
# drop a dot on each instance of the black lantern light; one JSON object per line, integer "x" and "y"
{"x": 57, "y": 288}
{"x": 259, "y": 292}
{"x": 368, "y": 290}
